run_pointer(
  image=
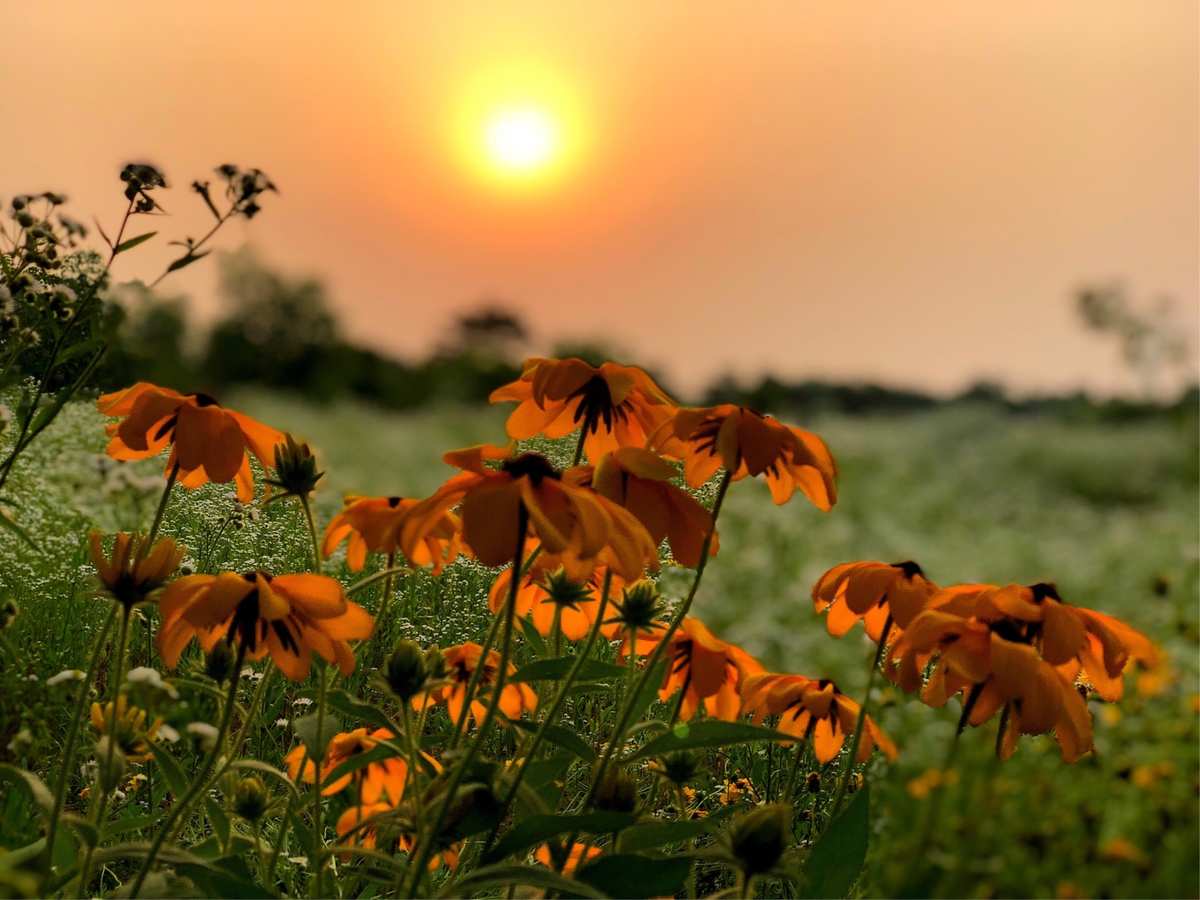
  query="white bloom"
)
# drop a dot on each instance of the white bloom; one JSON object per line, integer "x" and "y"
{"x": 168, "y": 734}
{"x": 302, "y": 701}
{"x": 205, "y": 734}
{"x": 65, "y": 675}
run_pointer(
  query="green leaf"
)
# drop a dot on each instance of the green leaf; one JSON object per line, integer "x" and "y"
{"x": 629, "y": 875}
{"x": 306, "y": 729}
{"x": 227, "y": 876}
{"x": 86, "y": 830}
{"x": 837, "y": 859}
{"x": 133, "y": 242}
{"x": 186, "y": 260}
{"x": 649, "y": 692}
{"x": 355, "y": 709}
{"x": 657, "y": 834}
{"x": 34, "y": 786}
{"x": 536, "y": 642}
{"x": 708, "y": 733}
{"x": 503, "y": 876}
{"x": 172, "y": 772}
{"x": 219, "y": 819}
{"x": 538, "y": 829}
{"x": 560, "y": 737}
{"x": 557, "y": 668}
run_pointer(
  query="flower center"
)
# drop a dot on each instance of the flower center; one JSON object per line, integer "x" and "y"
{"x": 533, "y": 466}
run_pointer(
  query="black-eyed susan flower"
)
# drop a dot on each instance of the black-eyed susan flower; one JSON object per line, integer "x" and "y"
{"x": 134, "y": 729}
{"x": 547, "y": 588}
{"x": 873, "y": 592}
{"x": 746, "y": 443}
{"x": 527, "y": 491}
{"x": 461, "y": 662}
{"x": 207, "y": 441}
{"x": 615, "y": 405}
{"x": 133, "y": 573}
{"x": 372, "y": 525}
{"x": 384, "y": 778}
{"x": 358, "y": 826}
{"x": 706, "y": 668}
{"x": 813, "y": 710}
{"x": 640, "y": 480}
{"x": 578, "y": 854}
{"x": 289, "y": 616}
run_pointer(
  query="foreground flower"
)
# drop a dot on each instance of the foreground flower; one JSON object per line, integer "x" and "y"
{"x": 640, "y": 481}
{"x": 704, "y": 667}
{"x": 874, "y": 592}
{"x": 372, "y": 525}
{"x": 375, "y": 780}
{"x": 615, "y": 405}
{"x": 567, "y": 519}
{"x": 545, "y": 587}
{"x": 289, "y": 616}
{"x": 579, "y": 853}
{"x": 133, "y": 573}
{"x": 134, "y": 735}
{"x": 207, "y": 441}
{"x": 358, "y": 825}
{"x": 461, "y": 662}
{"x": 747, "y": 443}
{"x": 813, "y": 710}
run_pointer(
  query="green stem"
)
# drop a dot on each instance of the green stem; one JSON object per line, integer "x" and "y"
{"x": 279, "y": 838}
{"x": 428, "y": 840}
{"x": 388, "y": 585}
{"x": 158, "y": 514}
{"x": 312, "y": 532}
{"x": 858, "y": 726}
{"x": 317, "y": 862}
{"x": 118, "y": 674}
{"x": 67, "y": 762}
{"x": 654, "y": 658}
{"x": 789, "y": 791}
{"x": 198, "y": 783}
{"x": 372, "y": 579}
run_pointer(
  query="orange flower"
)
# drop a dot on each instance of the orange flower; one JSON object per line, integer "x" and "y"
{"x": 461, "y": 661}
{"x": 133, "y": 573}
{"x": 616, "y": 406}
{"x": 748, "y": 443}
{"x": 207, "y": 441}
{"x": 288, "y": 616}
{"x": 813, "y": 710}
{"x": 564, "y": 517}
{"x": 372, "y": 525}
{"x": 357, "y": 826}
{"x": 640, "y": 481}
{"x": 993, "y": 673}
{"x": 1075, "y": 639}
{"x": 580, "y": 853}
{"x": 385, "y": 776}
{"x": 703, "y": 666}
{"x": 534, "y": 599}
{"x": 874, "y": 592}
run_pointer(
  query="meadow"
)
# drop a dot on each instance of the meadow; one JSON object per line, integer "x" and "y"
{"x": 1107, "y": 511}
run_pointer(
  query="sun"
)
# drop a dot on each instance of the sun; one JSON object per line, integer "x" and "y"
{"x": 521, "y": 139}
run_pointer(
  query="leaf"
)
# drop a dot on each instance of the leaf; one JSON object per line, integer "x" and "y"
{"x": 227, "y": 876}
{"x": 629, "y": 875}
{"x": 657, "y": 834}
{"x": 354, "y": 708}
{"x": 100, "y": 228}
{"x": 219, "y": 819}
{"x": 708, "y": 733}
{"x": 837, "y": 858}
{"x": 557, "y": 668}
{"x": 536, "y": 642}
{"x": 503, "y": 876}
{"x": 537, "y": 829}
{"x": 560, "y": 737}
{"x": 176, "y": 780}
{"x": 306, "y": 729}
{"x": 82, "y": 827}
{"x": 34, "y": 786}
{"x": 649, "y": 692}
{"x": 133, "y": 242}
{"x": 187, "y": 259}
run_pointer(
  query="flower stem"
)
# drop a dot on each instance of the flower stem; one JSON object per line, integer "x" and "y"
{"x": 425, "y": 848}
{"x": 318, "y": 861}
{"x": 158, "y": 513}
{"x": 388, "y": 585}
{"x": 840, "y": 795}
{"x": 653, "y": 659}
{"x": 183, "y": 805}
{"x": 68, "y": 755}
{"x": 312, "y": 532}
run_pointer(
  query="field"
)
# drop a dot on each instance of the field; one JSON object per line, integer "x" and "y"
{"x": 1107, "y": 511}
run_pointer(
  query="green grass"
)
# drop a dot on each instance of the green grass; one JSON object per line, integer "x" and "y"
{"x": 1108, "y": 512}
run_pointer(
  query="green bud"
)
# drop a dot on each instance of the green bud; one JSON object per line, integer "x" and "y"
{"x": 617, "y": 792}
{"x": 250, "y": 798}
{"x": 641, "y": 606}
{"x": 295, "y": 468}
{"x": 679, "y": 768}
{"x": 405, "y": 671}
{"x": 759, "y": 838}
{"x": 564, "y": 591}
{"x": 220, "y": 661}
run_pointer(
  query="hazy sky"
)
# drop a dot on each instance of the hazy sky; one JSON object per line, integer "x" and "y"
{"x": 903, "y": 191}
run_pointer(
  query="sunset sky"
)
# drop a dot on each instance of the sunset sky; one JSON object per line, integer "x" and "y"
{"x": 899, "y": 191}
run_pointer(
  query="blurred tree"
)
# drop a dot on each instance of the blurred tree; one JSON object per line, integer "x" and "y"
{"x": 150, "y": 341}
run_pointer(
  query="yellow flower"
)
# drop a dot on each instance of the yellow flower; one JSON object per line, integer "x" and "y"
{"x": 133, "y": 572}
{"x": 134, "y": 736}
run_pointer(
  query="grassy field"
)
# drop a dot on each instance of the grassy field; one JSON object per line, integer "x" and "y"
{"x": 1109, "y": 512}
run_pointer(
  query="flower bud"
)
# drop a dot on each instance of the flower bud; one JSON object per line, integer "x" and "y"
{"x": 564, "y": 591}
{"x": 641, "y": 606}
{"x": 295, "y": 468}
{"x": 813, "y": 782}
{"x": 679, "y": 768}
{"x": 405, "y": 671}
{"x": 220, "y": 661}
{"x": 759, "y": 838}
{"x": 617, "y": 792}
{"x": 250, "y": 798}
{"x": 109, "y": 773}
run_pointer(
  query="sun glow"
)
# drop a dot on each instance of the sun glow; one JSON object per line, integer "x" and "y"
{"x": 519, "y": 126}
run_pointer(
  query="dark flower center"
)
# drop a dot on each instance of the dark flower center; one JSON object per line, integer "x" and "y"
{"x": 909, "y": 568}
{"x": 1042, "y": 590}
{"x": 533, "y": 466}
{"x": 205, "y": 400}
{"x": 596, "y": 405}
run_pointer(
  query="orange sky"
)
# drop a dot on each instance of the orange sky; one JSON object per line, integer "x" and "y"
{"x": 901, "y": 191}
